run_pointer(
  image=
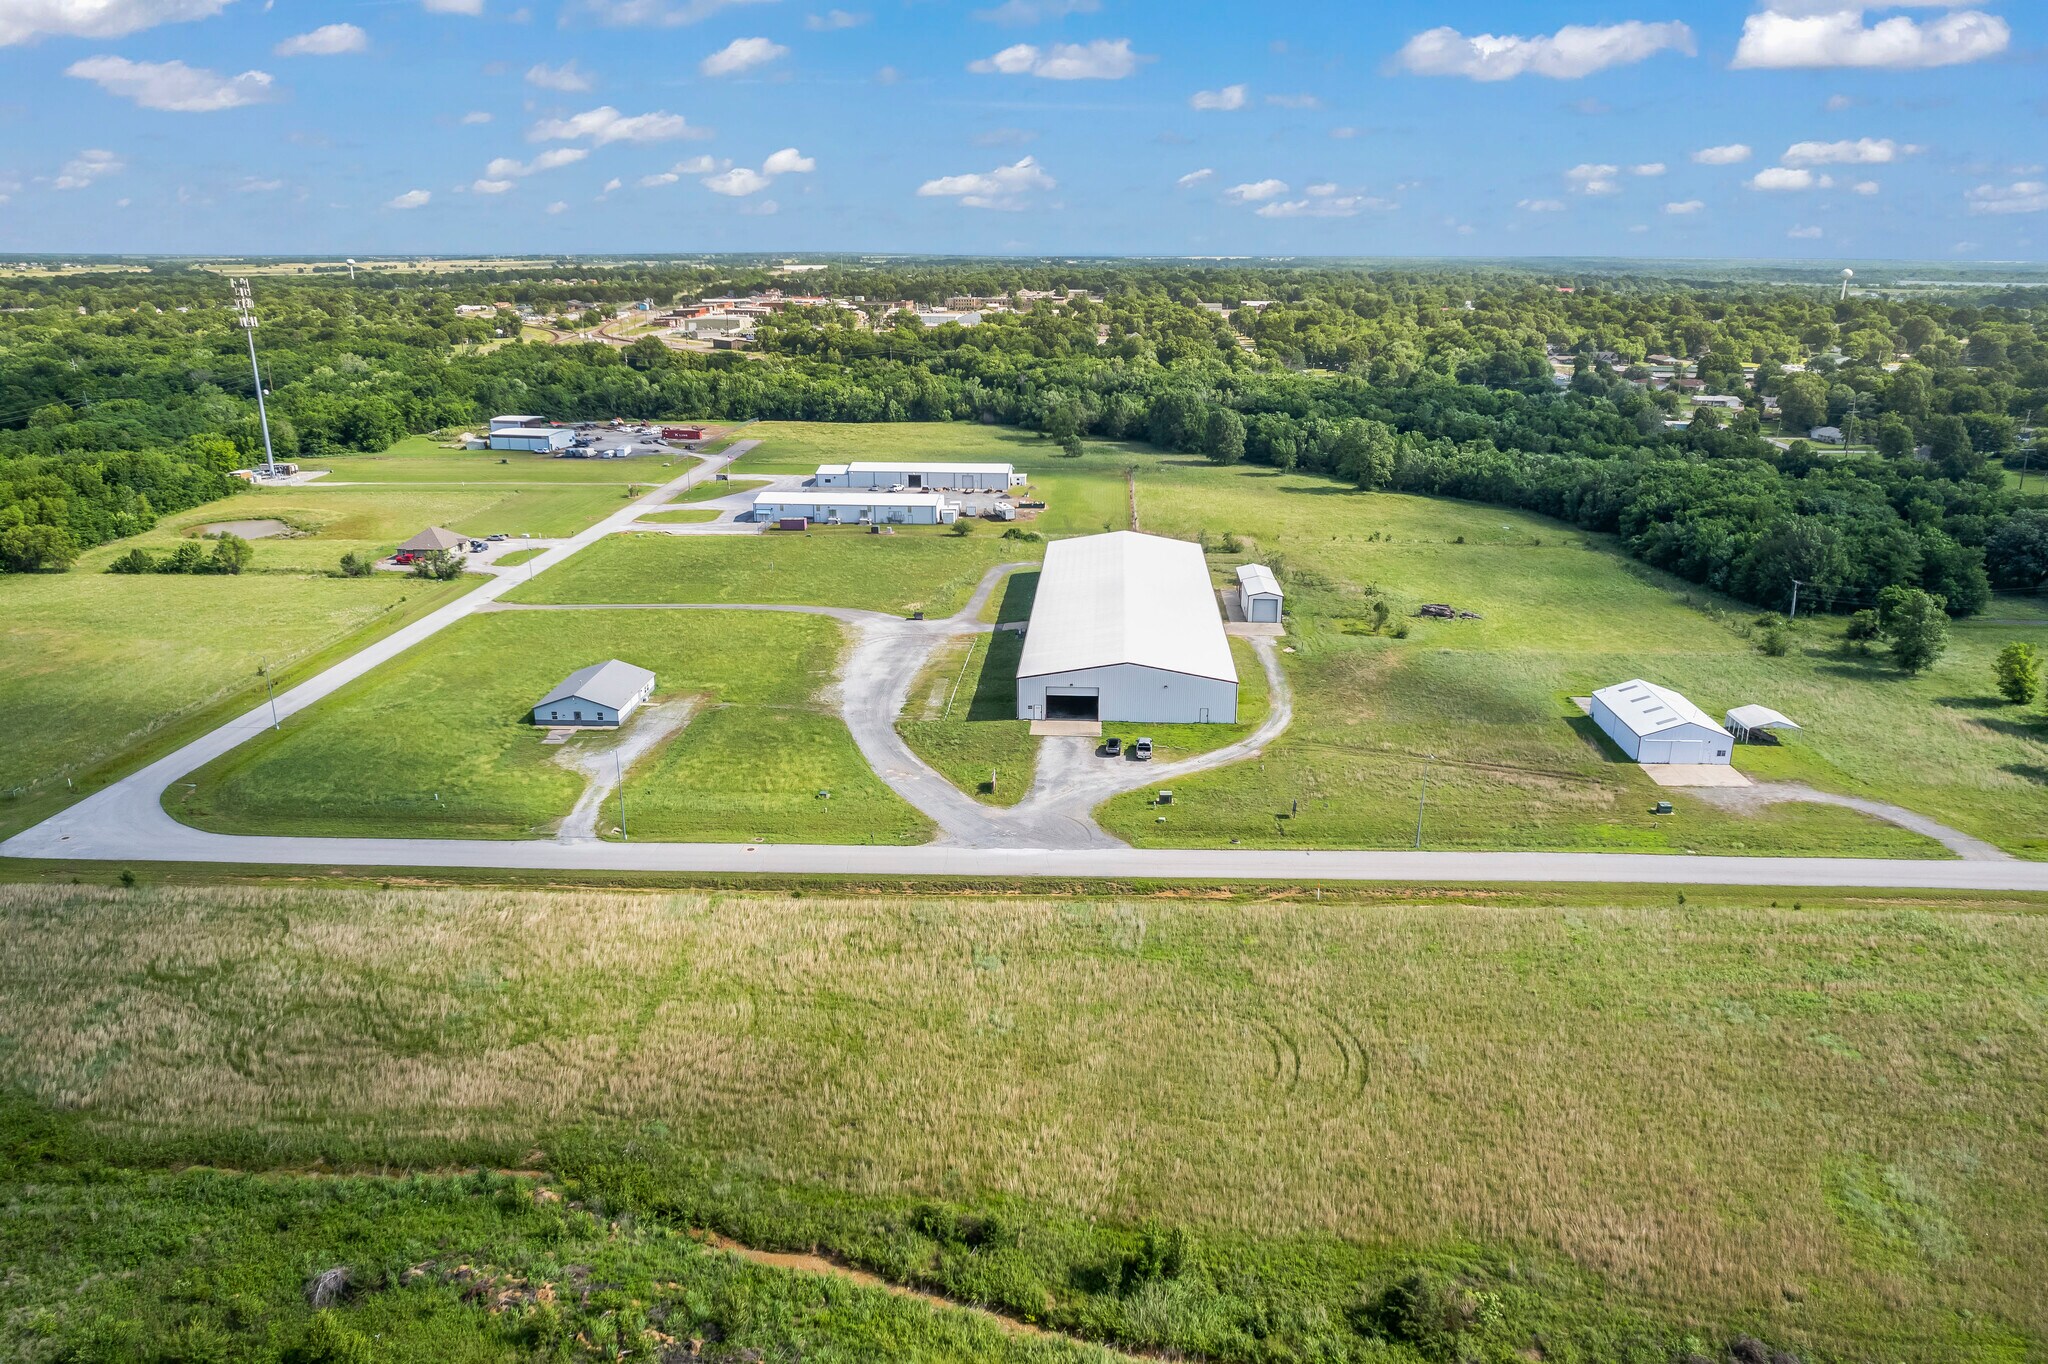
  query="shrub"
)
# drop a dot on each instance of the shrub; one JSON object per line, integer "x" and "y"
{"x": 2018, "y": 669}
{"x": 330, "y": 1340}
{"x": 231, "y": 554}
{"x": 1019, "y": 533}
{"x": 354, "y": 565}
{"x": 134, "y": 561}
{"x": 1231, "y": 544}
{"x": 439, "y": 565}
{"x": 1776, "y": 641}
{"x": 1864, "y": 627}
{"x": 963, "y": 527}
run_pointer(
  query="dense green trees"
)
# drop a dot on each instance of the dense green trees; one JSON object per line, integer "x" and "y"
{"x": 1435, "y": 382}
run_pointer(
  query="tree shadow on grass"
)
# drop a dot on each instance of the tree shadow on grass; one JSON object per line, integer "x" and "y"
{"x": 2030, "y": 772}
{"x": 1020, "y": 590}
{"x": 995, "y": 689}
{"x": 2025, "y": 727}
{"x": 1972, "y": 702}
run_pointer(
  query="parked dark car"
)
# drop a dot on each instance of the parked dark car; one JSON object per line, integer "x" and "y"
{"x": 1112, "y": 747}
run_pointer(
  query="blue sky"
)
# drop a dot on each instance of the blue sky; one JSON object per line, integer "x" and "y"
{"x": 1785, "y": 129}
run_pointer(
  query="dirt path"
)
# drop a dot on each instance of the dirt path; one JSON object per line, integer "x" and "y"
{"x": 603, "y": 764}
{"x": 818, "y": 1264}
{"x": 1751, "y": 799}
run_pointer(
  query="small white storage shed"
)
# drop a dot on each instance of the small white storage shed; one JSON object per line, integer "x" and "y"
{"x": 1258, "y": 592}
{"x": 1654, "y": 724}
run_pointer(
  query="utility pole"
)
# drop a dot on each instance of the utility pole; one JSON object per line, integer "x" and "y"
{"x": 245, "y": 313}
{"x": 268, "y": 692}
{"x": 1423, "y": 804}
{"x": 1796, "y": 585}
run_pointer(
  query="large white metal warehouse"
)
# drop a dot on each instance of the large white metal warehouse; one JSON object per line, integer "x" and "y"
{"x": 1654, "y": 724}
{"x": 981, "y": 478}
{"x": 1125, "y": 627}
{"x": 856, "y": 508}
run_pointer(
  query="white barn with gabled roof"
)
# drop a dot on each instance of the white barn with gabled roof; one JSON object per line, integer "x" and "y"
{"x": 1656, "y": 725}
{"x": 1125, "y": 627}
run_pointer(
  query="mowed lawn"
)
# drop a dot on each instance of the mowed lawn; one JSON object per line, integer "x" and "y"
{"x": 1818, "y": 1124}
{"x": 94, "y": 664}
{"x": 438, "y": 742}
{"x": 919, "y": 568}
{"x": 429, "y": 460}
{"x": 331, "y": 522}
{"x": 1515, "y": 762}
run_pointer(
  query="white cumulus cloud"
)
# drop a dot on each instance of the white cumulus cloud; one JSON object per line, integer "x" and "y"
{"x": 2025, "y": 196}
{"x": 1573, "y": 51}
{"x": 473, "y": 117}
{"x": 24, "y": 21}
{"x": 1649, "y": 168}
{"x": 1195, "y": 177}
{"x": 833, "y": 20}
{"x": 1788, "y": 35}
{"x": 509, "y": 168}
{"x": 412, "y": 198}
{"x": 1006, "y": 187}
{"x": 1255, "y": 191}
{"x": 1789, "y": 178}
{"x": 1540, "y": 205}
{"x": 1685, "y": 208}
{"x": 1805, "y": 234}
{"x": 605, "y": 125}
{"x": 788, "y": 161}
{"x": 1733, "y": 154}
{"x": 1864, "y": 151}
{"x": 559, "y": 206}
{"x": 737, "y": 182}
{"x": 1324, "y": 206}
{"x": 492, "y": 186}
{"x": 1866, "y": 188}
{"x": 741, "y": 54}
{"x": 328, "y": 40}
{"x": 1594, "y": 179}
{"x": 1105, "y": 59}
{"x": 92, "y": 164}
{"x": 173, "y": 86}
{"x": 472, "y": 8}
{"x": 567, "y": 78}
{"x": 1230, "y": 97}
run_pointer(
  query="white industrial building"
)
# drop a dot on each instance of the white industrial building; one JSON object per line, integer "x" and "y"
{"x": 852, "y": 508}
{"x": 983, "y": 478}
{"x": 529, "y": 433}
{"x": 1125, "y": 628}
{"x": 1258, "y": 593}
{"x": 1654, "y": 724}
{"x": 601, "y": 694}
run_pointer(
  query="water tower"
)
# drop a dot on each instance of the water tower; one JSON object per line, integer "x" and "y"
{"x": 1847, "y": 275}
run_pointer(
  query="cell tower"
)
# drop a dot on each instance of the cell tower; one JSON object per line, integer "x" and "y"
{"x": 1847, "y": 275}
{"x": 245, "y": 313}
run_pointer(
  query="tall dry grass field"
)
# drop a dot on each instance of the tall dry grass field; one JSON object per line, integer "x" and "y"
{"x": 1793, "y": 1115}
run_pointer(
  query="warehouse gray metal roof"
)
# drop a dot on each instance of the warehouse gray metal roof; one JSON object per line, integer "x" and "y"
{"x": 612, "y": 684}
{"x": 1124, "y": 597}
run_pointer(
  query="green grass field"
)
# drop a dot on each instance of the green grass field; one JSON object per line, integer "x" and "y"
{"x": 918, "y": 568}
{"x": 683, "y": 516}
{"x": 98, "y": 665}
{"x": 429, "y": 460}
{"x": 1601, "y": 1124}
{"x": 1515, "y": 762}
{"x": 438, "y": 743}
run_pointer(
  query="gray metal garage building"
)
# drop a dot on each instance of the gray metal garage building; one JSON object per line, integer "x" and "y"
{"x": 1125, "y": 627}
